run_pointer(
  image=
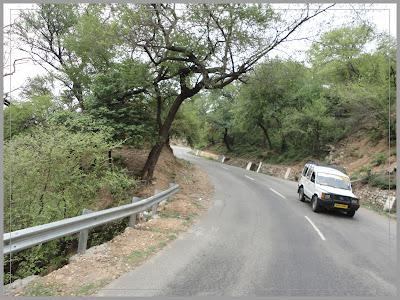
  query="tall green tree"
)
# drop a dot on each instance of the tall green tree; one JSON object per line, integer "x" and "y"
{"x": 263, "y": 101}
{"x": 199, "y": 47}
{"x": 219, "y": 116}
{"x": 114, "y": 103}
{"x": 357, "y": 65}
{"x": 70, "y": 40}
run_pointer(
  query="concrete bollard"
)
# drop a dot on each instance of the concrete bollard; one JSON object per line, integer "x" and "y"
{"x": 390, "y": 203}
{"x": 249, "y": 166}
{"x": 287, "y": 173}
{"x": 259, "y": 167}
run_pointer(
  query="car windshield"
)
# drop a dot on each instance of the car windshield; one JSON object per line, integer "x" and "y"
{"x": 335, "y": 181}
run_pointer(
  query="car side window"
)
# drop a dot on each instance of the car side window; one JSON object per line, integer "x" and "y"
{"x": 313, "y": 177}
{"x": 309, "y": 173}
{"x": 305, "y": 171}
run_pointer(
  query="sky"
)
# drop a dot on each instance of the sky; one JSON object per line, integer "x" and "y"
{"x": 383, "y": 15}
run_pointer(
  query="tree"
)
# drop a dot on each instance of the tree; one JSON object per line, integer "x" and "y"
{"x": 37, "y": 104}
{"x": 218, "y": 115}
{"x": 206, "y": 47}
{"x": 358, "y": 78}
{"x": 274, "y": 86}
{"x": 113, "y": 104}
{"x": 67, "y": 38}
{"x": 9, "y": 66}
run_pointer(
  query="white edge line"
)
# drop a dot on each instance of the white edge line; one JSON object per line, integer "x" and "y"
{"x": 316, "y": 228}
{"x": 277, "y": 193}
{"x": 249, "y": 177}
{"x": 224, "y": 168}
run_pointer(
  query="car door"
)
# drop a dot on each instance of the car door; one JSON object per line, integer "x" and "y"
{"x": 307, "y": 182}
{"x": 312, "y": 184}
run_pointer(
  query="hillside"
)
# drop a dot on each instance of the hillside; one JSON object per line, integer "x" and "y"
{"x": 366, "y": 160}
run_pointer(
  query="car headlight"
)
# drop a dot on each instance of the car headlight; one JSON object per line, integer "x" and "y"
{"x": 326, "y": 196}
{"x": 355, "y": 201}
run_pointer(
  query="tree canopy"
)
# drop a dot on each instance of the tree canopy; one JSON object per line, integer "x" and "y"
{"x": 130, "y": 67}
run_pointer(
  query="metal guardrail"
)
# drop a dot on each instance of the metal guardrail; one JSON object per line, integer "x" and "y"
{"x": 28, "y": 237}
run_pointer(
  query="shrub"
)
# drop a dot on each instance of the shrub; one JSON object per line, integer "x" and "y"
{"x": 379, "y": 159}
{"x": 54, "y": 175}
{"x": 381, "y": 180}
{"x": 375, "y": 135}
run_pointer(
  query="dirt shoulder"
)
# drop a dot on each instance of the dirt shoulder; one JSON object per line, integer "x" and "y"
{"x": 85, "y": 274}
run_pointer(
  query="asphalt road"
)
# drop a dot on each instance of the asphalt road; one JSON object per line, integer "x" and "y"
{"x": 258, "y": 239}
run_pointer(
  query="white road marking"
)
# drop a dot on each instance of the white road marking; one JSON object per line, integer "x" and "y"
{"x": 316, "y": 229}
{"x": 249, "y": 177}
{"x": 224, "y": 168}
{"x": 277, "y": 193}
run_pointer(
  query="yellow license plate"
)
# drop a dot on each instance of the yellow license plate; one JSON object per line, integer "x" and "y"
{"x": 340, "y": 205}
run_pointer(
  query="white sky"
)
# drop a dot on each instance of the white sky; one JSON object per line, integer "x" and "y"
{"x": 383, "y": 15}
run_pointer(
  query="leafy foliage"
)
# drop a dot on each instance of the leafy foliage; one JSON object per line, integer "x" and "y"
{"x": 52, "y": 174}
{"x": 127, "y": 116}
{"x": 24, "y": 116}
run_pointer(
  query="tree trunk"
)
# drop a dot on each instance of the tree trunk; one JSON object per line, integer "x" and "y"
{"x": 266, "y": 135}
{"x": 168, "y": 144}
{"x": 148, "y": 170}
{"x": 226, "y": 141}
{"x": 212, "y": 141}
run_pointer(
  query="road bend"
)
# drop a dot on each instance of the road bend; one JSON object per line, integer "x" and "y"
{"x": 258, "y": 239}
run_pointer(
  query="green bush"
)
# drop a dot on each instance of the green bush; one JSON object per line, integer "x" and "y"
{"x": 54, "y": 174}
{"x": 379, "y": 159}
{"x": 375, "y": 135}
{"x": 381, "y": 180}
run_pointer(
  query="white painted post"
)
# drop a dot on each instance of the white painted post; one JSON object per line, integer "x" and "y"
{"x": 132, "y": 218}
{"x": 197, "y": 152}
{"x": 287, "y": 173}
{"x": 249, "y": 166}
{"x": 83, "y": 235}
{"x": 390, "y": 202}
{"x": 259, "y": 167}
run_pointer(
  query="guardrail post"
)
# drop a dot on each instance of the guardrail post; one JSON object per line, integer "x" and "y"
{"x": 132, "y": 218}
{"x": 83, "y": 235}
{"x": 170, "y": 186}
{"x": 154, "y": 209}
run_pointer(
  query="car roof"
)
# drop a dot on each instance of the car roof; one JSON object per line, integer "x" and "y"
{"x": 323, "y": 169}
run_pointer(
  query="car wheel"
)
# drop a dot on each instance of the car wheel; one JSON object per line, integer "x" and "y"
{"x": 314, "y": 204}
{"x": 301, "y": 194}
{"x": 350, "y": 213}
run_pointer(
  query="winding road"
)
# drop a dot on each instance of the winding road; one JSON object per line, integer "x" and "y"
{"x": 258, "y": 239}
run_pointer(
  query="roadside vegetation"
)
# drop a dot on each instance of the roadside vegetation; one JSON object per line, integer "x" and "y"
{"x": 288, "y": 111}
{"x": 126, "y": 75}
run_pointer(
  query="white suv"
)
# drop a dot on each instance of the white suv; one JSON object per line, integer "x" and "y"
{"x": 328, "y": 188}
